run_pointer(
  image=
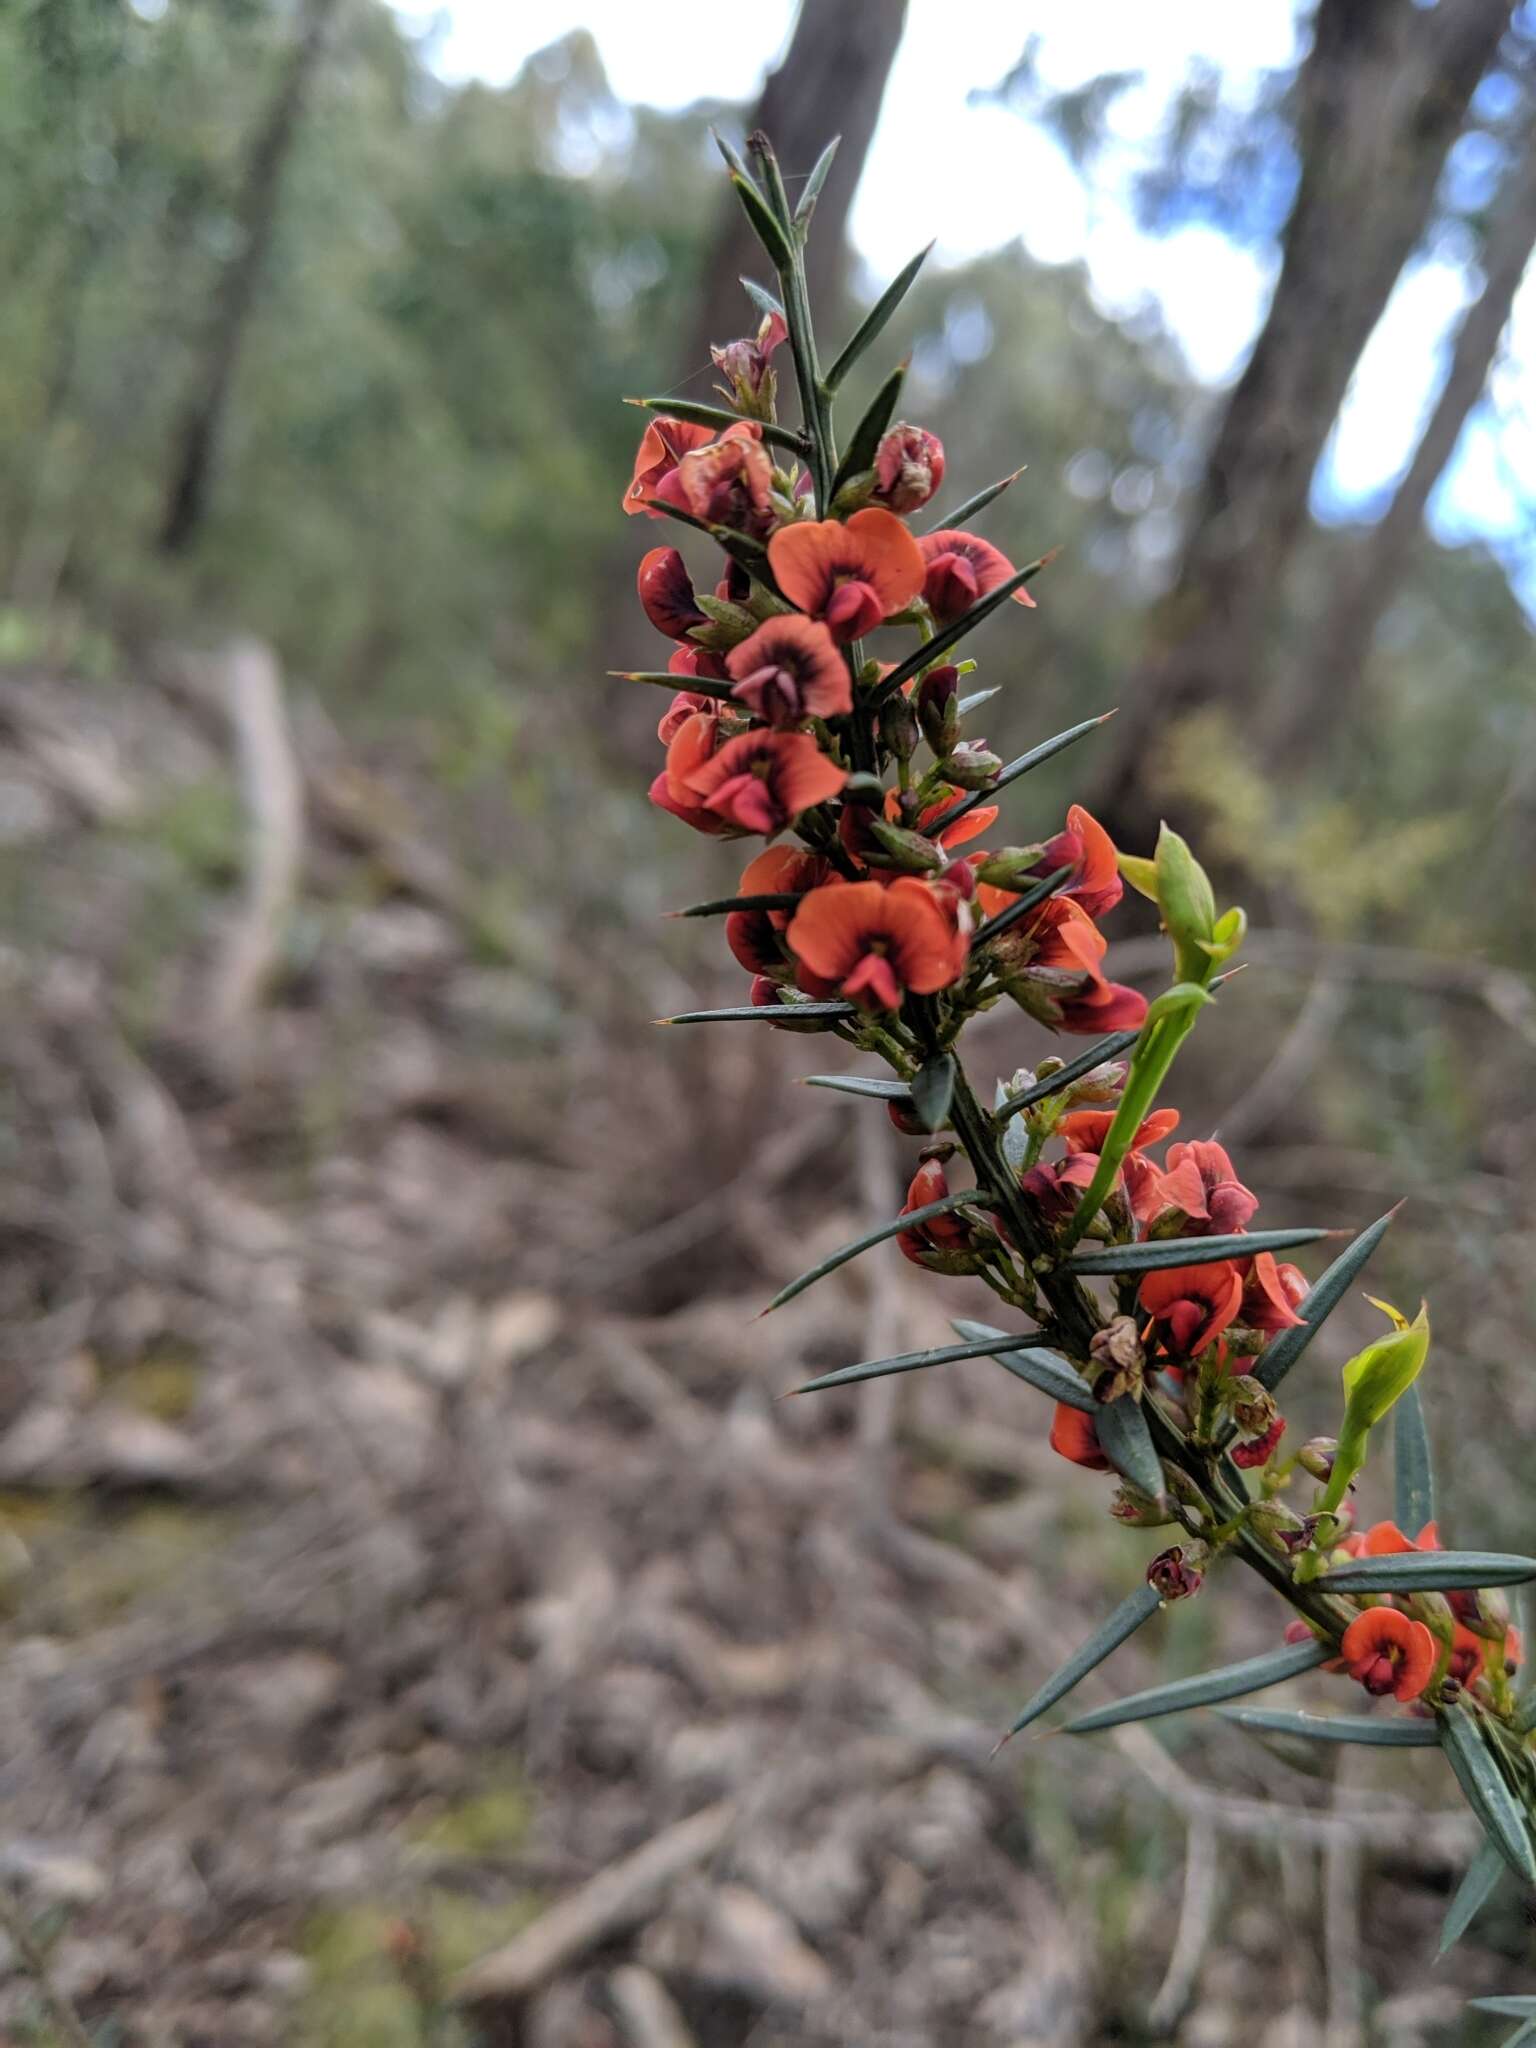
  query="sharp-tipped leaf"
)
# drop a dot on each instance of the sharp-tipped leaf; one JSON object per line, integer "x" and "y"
{"x": 912, "y": 1221}
{"x": 874, "y": 320}
{"x": 956, "y": 631}
{"x": 668, "y": 679}
{"x": 1036, "y": 756}
{"x": 767, "y": 1013}
{"x": 933, "y": 1089}
{"x": 972, "y": 506}
{"x": 717, "y": 416}
{"x": 733, "y": 159}
{"x": 764, "y": 300}
{"x": 814, "y": 183}
{"x": 1046, "y": 1371}
{"x": 747, "y": 553}
{"x": 1412, "y": 1471}
{"x": 976, "y": 699}
{"x": 906, "y": 1361}
{"x": 1282, "y": 1351}
{"x": 1509, "y": 2008}
{"x": 1136, "y": 1608}
{"x": 1074, "y": 1070}
{"x": 1009, "y": 916}
{"x": 859, "y": 455}
{"x": 1477, "y": 1887}
{"x": 1497, "y": 1810}
{"x": 1153, "y": 1254}
{"x": 765, "y": 223}
{"x": 1364, "y": 1729}
{"x": 723, "y": 906}
{"x": 1126, "y": 1441}
{"x": 861, "y": 1084}
{"x": 1429, "y": 1571}
{"x": 1229, "y": 1683}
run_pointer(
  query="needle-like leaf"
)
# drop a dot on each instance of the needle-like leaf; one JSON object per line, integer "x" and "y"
{"x": 1009, "y": 916}
{"x": 1282, "y": 1351}
{"x": 955, "y": 631}
{"x": 1426, "y": 1571}
{"x": 933, "y": 1089}
{"x": 861, "y": 1084}
{"x": 844, "y": 1253}
{"x": 1412, "y": 1471}
{"x": 1126, "y": 1441}
{"x": 668, "y": 679}
{"x": 1155, "y": 1253}
{"x": 1473, "y": 1893}
{"x": 813, "y": 184}
{"x": 1365, "y": 1729}
{"x": 717, "y": 416}
{"x": 859, "y": 455}
{"x": 906, "y": 1361}
{"x": 722, "y": 906}
{"x": 764, "y": 300}
{"x": 1232, "y": 1680}
{"x": 972, "y": 506}
{"x": 1106, "y": 1049}
{"x": 1035, "y": 758}
{"x": 1483, "y": 1785}
{"x": 874, "y": 320}
{"x": 1044, "y": 1370}
{"x": 767, "y": 1013}
{"x": 1133, "y": 1610}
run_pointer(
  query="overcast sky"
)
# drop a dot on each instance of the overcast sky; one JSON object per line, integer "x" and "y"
{"x": 1002, "y": 179}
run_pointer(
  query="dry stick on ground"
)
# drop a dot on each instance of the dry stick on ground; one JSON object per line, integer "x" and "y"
{"x": 1197, "y": 1922}
{"x": 616, "y": 1898}
{"x": 273, "y": 789}
{"x": 646, "y": 2011}
{"x": 1341, "y": 1941}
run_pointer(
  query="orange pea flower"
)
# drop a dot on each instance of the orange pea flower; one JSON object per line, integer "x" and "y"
{"x": 876, "y": 941}
{"x": 853, "y": 574}
{"x": 1270, "y": 1294}
{"x": 944, "y": 1235}
{"x": 1385, "y": 1539}
{"x": 759, "y": 781}
{"x": 1389, "y": 1653}
{"x": 691, "y": 743}
{"x": 1200, "y": 1179}
{"x": 755, "y": 936}
{"x": 729, "y": 482}
{"x": 1193, "y": 1304}
{"x": 662, "y": 447}
{"x": 790, "y": 669}
{"x": 959, "y": 568}
{"x": 1086, "y": 1129}
{"x": 1074, "y": 1437}
{"x": 1070, "y": 992}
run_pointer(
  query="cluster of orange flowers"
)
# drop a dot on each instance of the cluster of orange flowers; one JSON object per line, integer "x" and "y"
{"x": 759, "y": 740}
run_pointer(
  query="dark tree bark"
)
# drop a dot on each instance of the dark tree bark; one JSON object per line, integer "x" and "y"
{"x": 202, "y": 417}
{"x": 1307, "y": 711}
{"x": 1382, "y": 95}
{"x": 831, "y": 82}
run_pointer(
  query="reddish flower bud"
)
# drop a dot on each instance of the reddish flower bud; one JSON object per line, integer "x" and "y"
{"x": 960, "y": 568}
{"x": 667, "y": 594}
{"x": 938, "y": 707}
{"x": 1261, "y": 1449}
{"x": 1177, "y": 1573}
{"x": 747, "y": 366}
{"x": 909, "y": 467}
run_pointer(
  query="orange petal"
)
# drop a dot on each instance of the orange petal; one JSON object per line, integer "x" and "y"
{"x": 828, "y": 931}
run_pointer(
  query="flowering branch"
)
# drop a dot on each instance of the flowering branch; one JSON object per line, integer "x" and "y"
{"x": 862, "y": 917}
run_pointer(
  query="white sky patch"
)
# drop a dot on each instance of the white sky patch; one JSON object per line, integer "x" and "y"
{"x": 978, "y": 176}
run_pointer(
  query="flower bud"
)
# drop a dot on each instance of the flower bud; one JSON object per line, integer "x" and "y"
{"x": 1259, "y": 1450}
{"x": 746, "y": 365}
{"x": 895, "y": 847}
{"x": 1316, "y": 1456}
{"x": 1434, "y": 1610}
{"x": 905, "y": 1119}
{"x": 1278, "y": 1529}
{"x": 938, "y": 707}
{"x": 1013, "y": 867}
{"x": 1138, "y": 1510}
{"x": 1104, "y": 1084}
{"x": 971, "y": 766}
{"x": 1485, "y": 1612}
{"x": 1177, "y": 1573}
{"x": 898, "y": 726}
{"x": 667, "y": 595}
{"x": 909, "y": 467}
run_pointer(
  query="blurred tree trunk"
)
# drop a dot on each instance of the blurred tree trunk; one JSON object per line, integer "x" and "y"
{"x": 1308, "y": 710}
{"x": 1382, "y": 95}
{"x": 831, "y": 82}
{"x": 197, "y": 435}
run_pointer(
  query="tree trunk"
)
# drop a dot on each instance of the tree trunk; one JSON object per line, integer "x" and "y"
{"x": 1308, "y": 709}
{"x": 831, "y": 82}
{"x": 1382, "y": 95}
{"x": 197, "y": 437}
